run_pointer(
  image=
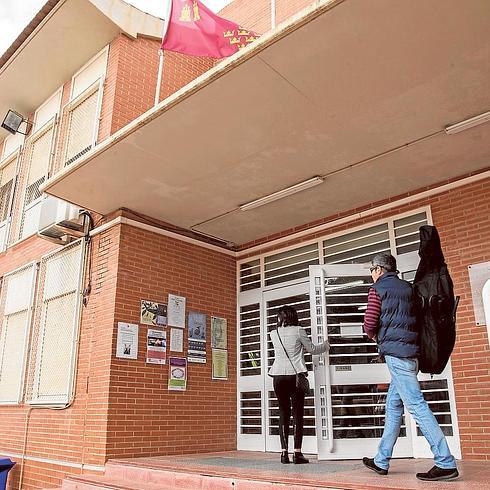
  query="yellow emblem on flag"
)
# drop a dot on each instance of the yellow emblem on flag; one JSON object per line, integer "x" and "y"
{"x": 185, "y": 14}
{"x": 197, "y": 15}
{"x": 228, "y": 33}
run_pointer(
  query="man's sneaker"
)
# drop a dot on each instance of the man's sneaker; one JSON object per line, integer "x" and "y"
{"x": 438, "y": 474}
{"x": 369, "y": 463}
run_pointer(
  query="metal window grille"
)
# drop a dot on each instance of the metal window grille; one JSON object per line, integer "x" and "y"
{"x": 250, "y": 275}
{"x": 407, "y": 232}
{"x": 250, "y": 412}
{"x": 398, "y": 236}
{"x": 290, "y": 265}
{"x": 79, "y": 125}
{"x": 359, "y": 411}
{"x": 345, "y": 301}
{"x": 7, "y": 186}
{"x": 250, "y": 356}
{"x": 37, "y": 155}
{"x": 56, "y": 326}
{"x": 7, "y": 176}
{"x": 357, "y": 247}
{"x": 436, "y": 394}
{"x": 16, "y": 307}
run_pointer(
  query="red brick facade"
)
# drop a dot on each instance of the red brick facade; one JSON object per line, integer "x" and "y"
{"x": 122, "y": 408}
{"x": 144, "y": 417}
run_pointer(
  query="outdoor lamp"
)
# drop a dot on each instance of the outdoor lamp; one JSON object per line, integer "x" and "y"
{"x": 12, "y": 122}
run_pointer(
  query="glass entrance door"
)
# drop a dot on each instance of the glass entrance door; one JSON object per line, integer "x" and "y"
{"x": 350, "y": 385}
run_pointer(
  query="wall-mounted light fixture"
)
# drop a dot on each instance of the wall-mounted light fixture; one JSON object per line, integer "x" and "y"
{"x": 12, "y": 122}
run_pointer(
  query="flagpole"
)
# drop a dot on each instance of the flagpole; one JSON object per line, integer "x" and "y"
{"x": 161, "y": 53}
{"x": 273, "y": 14}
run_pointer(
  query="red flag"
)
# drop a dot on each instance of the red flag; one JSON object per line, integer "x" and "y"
{"x": 194, "y": 29}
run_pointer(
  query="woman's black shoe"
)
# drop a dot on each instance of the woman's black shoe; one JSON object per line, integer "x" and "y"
{"x": 298, "y": 458}
{"x": 285, "y": 458}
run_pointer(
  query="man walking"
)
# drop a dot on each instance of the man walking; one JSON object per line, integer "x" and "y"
{"x": 390, "y": 320}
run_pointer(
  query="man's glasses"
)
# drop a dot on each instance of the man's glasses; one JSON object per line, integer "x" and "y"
{"x": 371, "y": 269}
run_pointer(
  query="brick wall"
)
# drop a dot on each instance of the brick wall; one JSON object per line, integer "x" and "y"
{"x": 462, "y": 216}
{"x": 144, "y": 417}
{"x": 256, "y": 15}
{"x": 77, "y": 434}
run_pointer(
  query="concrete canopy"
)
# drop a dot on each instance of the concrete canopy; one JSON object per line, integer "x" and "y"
{"x": 358, "y": 92}
{"x": 60, "y": 40}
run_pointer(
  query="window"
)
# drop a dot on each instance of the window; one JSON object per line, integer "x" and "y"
{"x": 7, "y": 184}
{"x": 80, "y": 122}
{"x": 55, "y": 332}
{"x": 37, "y": 158}
{"x": 398, "y": 235}
{"x": 16, "y": 304}
{"x": 80, "y": 117}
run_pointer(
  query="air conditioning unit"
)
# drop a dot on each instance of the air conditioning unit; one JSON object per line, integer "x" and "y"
{"x": 60, "y": 221}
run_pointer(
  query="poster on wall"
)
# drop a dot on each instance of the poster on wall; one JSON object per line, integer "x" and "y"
{"x": 218, "y": 333}
{"x": 127, "y": 341}
{"x": 176, "y": 340}
{"x": 197, "y": 326}
{"x": 196, "y": 349}
{"x": 220, "y": 364}
{"x": 153, "y": 313}
{"x": 156, "y": 346}
{"x": 177, "y": 373}
{"x": 176, "y": 311}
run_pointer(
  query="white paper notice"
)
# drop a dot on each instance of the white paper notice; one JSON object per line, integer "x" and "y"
{"x": 176, "y": 311}
{"x": 127, "y": 341}
{"x": 176, "y": 340}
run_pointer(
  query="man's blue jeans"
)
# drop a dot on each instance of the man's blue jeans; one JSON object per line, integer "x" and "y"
{"x": 405, "y": 390}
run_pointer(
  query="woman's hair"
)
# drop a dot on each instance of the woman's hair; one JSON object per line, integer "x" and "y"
{"x": 287, "y": 316}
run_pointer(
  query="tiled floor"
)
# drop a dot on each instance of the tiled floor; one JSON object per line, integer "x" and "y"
{"x": 475, "y": 475}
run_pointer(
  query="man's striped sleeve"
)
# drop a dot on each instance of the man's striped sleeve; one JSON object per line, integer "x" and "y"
{"x": 373, "y": 312}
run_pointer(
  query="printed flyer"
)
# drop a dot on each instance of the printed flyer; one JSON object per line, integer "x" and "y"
{"x": 176, "y": 340}
{"x": 176, "y": 311}
{"x": 152, "y": 313}
{"x": 220, "y": 364}
{"x": 156, "y": 346}
{"x": 218, "y": 333}
{"x": 127, "y": 341}
{"x": 177, "y": 373}
{"x": 196, "y": 351}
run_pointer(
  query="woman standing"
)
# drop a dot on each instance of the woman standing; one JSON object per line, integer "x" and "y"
{"x": 290, "y": 341}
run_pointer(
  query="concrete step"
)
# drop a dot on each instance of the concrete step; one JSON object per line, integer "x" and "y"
{"x": 106, "y": 483}
{"x": 184, "y": 481}
{"x": 195, "y": 479}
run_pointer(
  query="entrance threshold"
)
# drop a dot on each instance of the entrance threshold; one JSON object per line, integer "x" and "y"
{"x": 245, "y": 470}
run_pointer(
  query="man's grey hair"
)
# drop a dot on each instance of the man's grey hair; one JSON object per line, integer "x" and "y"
{"x": 385, "y": 260}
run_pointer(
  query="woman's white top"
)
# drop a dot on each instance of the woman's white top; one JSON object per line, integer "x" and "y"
{"x": 295, "y": 342}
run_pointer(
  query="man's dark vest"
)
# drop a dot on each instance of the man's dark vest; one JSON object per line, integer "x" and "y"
{"x": 397, "y": 335}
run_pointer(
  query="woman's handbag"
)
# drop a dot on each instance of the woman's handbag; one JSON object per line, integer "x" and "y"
{"x": 302, "y": 383}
